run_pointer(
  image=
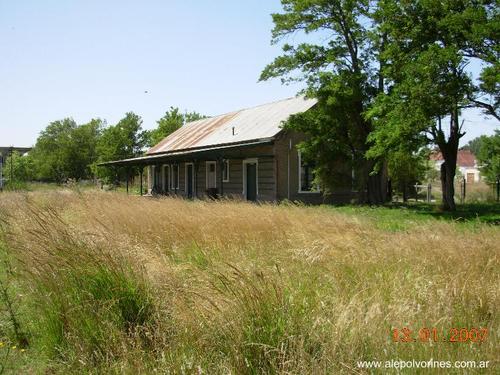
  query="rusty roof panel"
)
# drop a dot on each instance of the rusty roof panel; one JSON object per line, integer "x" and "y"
{"x": 249, "y": 124}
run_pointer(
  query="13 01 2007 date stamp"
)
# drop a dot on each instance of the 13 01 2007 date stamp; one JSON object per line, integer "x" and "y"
{"x": 406, "y": 335}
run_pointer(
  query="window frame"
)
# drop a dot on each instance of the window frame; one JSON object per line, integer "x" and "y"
{"x": 315, "y": 191}
{"x": 225, "y": 168}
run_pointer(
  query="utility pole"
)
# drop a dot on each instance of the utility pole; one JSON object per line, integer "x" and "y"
{"x": 11, "y": 168}
{"x": 1, "y": 172}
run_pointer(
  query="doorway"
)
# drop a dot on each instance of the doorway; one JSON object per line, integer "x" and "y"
{"x": 470, "y": 178}
{"x": 250, "y": 179}
{"x": 166, "y": 178}
{"x": 190, "y": 180}
{"x": 156, "y": 179}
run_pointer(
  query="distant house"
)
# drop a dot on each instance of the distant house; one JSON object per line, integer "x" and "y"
{"x": 4, "y": 153}
{"x": 466, "y": 164}
{"x": 243, "y": 154}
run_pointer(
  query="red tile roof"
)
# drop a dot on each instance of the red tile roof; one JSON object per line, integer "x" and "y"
{"x": 465, "y": 158}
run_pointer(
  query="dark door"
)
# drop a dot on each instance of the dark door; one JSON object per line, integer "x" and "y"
{"x": 189, "y": 180}
{"x": 251, "y": 182}
{"x": 157, "y": 180}
{"x": 166, "y": 177}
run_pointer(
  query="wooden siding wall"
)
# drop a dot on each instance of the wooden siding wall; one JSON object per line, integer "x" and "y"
{"x": 277, "y": 174}
{"x": 267, "y": 179}
{"x": 287, "y": 166}
{"x": 234, "y": 187}
{"x": 287, "y": 171}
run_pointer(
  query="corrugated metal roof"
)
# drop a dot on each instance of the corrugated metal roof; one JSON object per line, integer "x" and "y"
{"x": 250, "y": 124}
{"x": 175, "y": 154}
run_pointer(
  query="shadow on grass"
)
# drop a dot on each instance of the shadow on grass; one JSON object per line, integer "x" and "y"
{"x": 485, "y": 212}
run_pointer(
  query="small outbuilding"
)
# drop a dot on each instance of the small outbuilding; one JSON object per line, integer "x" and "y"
{"x": 466, "y": 163}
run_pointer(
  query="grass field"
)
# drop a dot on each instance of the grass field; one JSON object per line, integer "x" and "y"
{"x": 105, "y": 283}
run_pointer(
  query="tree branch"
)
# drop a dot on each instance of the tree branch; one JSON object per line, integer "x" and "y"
{"x": 489, "y": 108}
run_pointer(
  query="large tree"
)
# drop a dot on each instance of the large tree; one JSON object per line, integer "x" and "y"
{"x": 124, "y": 140}
{"x": 341, "y": 69}
{"x": 66, "y": 150}
{"x": 18, "y": 169}
{"x": 429, "y": 45}
{"x": 489, "y": 157}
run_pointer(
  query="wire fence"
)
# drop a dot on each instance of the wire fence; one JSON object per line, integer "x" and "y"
{"x": 465, "y": 192}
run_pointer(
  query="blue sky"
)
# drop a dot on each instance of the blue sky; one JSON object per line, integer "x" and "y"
{"x": 88, "y": 58}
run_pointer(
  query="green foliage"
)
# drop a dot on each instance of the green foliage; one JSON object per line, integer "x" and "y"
{"x": 407, "y": 169}
{"x": 476, "y": 144}
{"x": 124, "y": 140}
{"x": 269, "y": 317}
{"x": 170, "y": 122}
{"x": 98, "y": 304}
{"x": 17, "y": 170}
{"x": 489, "y": 157}
{"x": 339, "y": 70}
{"x": 428, "y": 46}
{"x": 66, "y": 150}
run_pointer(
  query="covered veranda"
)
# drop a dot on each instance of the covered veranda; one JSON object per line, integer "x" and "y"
{"x": 192, "y": 159}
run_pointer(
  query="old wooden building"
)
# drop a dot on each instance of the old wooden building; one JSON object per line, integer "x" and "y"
{"x": 243, "y": 154}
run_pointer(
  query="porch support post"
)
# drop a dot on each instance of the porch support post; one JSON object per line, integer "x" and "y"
{"x": 221, "y": 175}
{"x": 196, "y": 164}
{"x": 141, "y": 172}
{"x": 176, "y": 178}
{"x": 128, "y": 177}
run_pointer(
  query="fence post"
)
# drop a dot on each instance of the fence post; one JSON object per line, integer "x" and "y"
{"x": 461, "y": 191}
{"x": 465, "y": 188}
{"x": 141, "y": 171}
{"x": 11, "y": 179}
{"x": 429, "y": 187}
{"x": 128, "y": 177}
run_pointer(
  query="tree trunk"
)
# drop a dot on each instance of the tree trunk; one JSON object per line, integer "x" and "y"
{"x": 448, "y": 169}
{"x": 449, "y": 151}
{"x": 376, "y": 184}
{"x": 389, "y": 190}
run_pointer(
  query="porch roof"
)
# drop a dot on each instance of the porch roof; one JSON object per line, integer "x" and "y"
{"x": 212, "y": 152}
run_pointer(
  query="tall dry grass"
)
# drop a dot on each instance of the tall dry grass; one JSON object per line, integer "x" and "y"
{"x": 121, "y": 284}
